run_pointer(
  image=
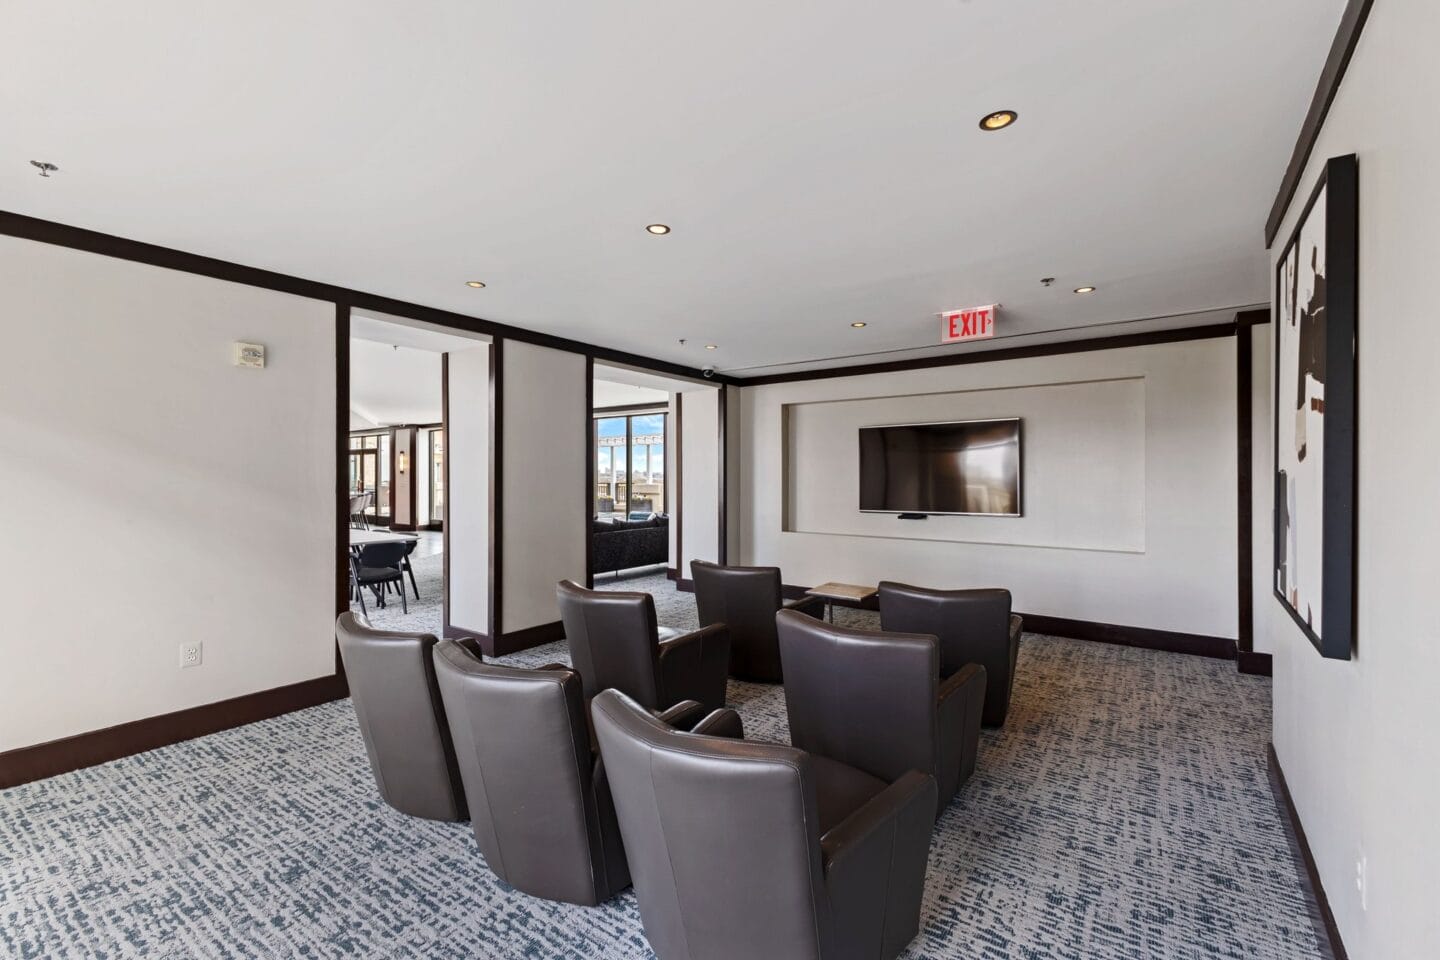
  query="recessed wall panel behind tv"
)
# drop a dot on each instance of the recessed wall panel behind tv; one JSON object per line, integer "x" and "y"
{"x": 1083, "y": 461}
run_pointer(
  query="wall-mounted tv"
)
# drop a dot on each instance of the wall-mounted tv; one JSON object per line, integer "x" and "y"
{"x": 968, "y": 467}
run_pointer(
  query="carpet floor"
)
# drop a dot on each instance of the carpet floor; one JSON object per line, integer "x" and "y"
{"x": 1122, "y": 812}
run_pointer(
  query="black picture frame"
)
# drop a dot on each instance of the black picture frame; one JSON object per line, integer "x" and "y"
{"x": 1339, "y": 185}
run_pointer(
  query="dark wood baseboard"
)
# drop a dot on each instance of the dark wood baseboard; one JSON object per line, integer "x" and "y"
{"x": 1195, "y": 644}
{"x": 684, "y": 584}
{"x": 1165, "y": 640}
{"x": 101, "y": 746}
{"x": 1326, "y": 930}
{"x": 671, "y": 573}
{"x": 517, "y": 640}
{"x": 1255, "y": 664}
{"x": 512, "y": 642}
{"x": 403, "y": 527}
{"x": 437, "y": 526}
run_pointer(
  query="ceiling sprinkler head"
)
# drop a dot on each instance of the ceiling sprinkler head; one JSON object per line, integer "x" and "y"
{"x": 1047, "y": 281}
{"x": 45, "y": 167}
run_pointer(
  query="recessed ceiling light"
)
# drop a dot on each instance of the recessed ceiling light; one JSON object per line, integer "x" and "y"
{"x": 711, "y": 346}
{"x": 477, "y": 284}
{"x": 659, "y": 229}
{"x": 858, "y": 324}
{"x": 998, "y": 120}
{"x": 1084, "y": 289}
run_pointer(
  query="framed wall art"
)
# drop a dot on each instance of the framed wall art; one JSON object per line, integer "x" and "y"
{"x": 1316, "y": 303}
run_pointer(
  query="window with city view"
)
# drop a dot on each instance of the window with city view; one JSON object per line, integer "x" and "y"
{"x": 630, "y": 466}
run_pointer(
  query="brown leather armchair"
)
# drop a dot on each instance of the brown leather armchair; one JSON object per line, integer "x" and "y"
{"x": 742, "y": 849}
{"x": 875, "y": 701}
{"x": 973, "y": 626}
{"x": 540, "y": 802}
{"x": 746, "y": 599}
{"x": 615, "y": 642}
{"x": 402, "y": 719}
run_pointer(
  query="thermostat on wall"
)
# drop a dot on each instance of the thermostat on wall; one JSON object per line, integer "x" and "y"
{"x": 248, "y": 354}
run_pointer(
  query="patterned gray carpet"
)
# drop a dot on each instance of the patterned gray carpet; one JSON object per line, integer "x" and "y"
{"x": 1123, "y": 812}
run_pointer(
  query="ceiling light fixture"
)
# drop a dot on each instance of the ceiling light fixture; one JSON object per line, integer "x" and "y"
{"x": 477, "y": 284}
{"x": 1084, "y": 289}
{"x": 998, "y": 120}
{"x": 659, "y": 229}
{"x": 858, "y": 324}
{"x": 711, "y": 346}
{"x": 45, "y": 167}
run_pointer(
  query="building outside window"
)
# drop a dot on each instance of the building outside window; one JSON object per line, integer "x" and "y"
{"x": 630, "y": 466}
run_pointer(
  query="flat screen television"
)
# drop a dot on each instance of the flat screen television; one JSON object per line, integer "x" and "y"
{"x": 968, "y": 467}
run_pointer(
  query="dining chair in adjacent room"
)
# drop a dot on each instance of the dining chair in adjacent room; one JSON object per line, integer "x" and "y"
{"x": 377, "y": 565}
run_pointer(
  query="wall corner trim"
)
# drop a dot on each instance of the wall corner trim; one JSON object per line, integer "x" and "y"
{"x": 1326, "y": 930}
{"x": 1342, "y": 48}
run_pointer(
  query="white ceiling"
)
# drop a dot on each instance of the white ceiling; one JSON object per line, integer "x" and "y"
{"x": 820, "y": 162}
{"x": 608, "y": 393}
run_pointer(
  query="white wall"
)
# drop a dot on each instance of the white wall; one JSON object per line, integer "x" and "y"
{"x": 467, "y": 445}
{"x": 1359, "y": 741}
{"x": 155, "y": 493}
{"x": 700, "y": 477}
{"x": 404, "y": 442}
{"x": 546, "y": 506}
{"x": 422, "y": 477}
{"x": 390, "y": 385}
{"x": 1167, "y": 414}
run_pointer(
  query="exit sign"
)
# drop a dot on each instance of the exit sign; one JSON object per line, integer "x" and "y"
{"x": 972, "y": 323}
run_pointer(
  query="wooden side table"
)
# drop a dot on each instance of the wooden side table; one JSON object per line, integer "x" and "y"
{"x": 846, "y": 592}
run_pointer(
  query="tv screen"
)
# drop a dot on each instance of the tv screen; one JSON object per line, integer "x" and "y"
{"x": 967, "y": 467}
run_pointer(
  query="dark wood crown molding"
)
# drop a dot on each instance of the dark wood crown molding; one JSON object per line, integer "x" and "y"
{"x": 1205, "y": 332}
{"x": 91, "y": 241}
{"x": 1352, "y": 22}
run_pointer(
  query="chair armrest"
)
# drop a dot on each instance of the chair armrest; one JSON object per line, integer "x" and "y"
{"x": 695, "y": 666}
{"x": 682, "y": 716}
{"x": 969, "y": 679}
{"x": 810, "y": 606}
{"x": 881, "y": 850}
{"x": 721, "y": 723}
{"x": 695, "y": 638}
{"x": 472, "y": 646}
{"x": 847, "y": 841}
{"x": 959, "y": 709}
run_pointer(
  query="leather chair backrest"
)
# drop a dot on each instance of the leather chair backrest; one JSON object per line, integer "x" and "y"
{"x": 696, "y": 808}
{"x": 614, "y": 640}
{"x": 851, "y": 695}
{"x": 745, "y": 600}
{"x": 402, "y": 720}
{"x": 965, "y": 621}
{"x": 973, "y": 626}
{"x": 524, "y": 751}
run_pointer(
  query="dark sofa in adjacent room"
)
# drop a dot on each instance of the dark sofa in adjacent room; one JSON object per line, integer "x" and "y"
{"x": 622, "y": 544}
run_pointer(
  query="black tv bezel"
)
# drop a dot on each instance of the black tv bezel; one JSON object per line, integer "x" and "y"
{"x": 1019, "y": 468}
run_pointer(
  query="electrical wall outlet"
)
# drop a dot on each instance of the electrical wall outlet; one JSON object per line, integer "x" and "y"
{"x": 1362, "y": 881}
{"x": 191, "y": 653}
